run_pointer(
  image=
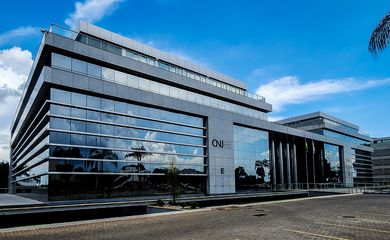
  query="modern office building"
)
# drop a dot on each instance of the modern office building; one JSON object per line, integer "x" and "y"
{"x": 104, "y": 116}
{"x": 381, "y": 160}
{"x": 327, "y": 125}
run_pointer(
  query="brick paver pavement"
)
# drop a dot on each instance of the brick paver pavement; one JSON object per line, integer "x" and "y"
{"x": 341, "y": 217}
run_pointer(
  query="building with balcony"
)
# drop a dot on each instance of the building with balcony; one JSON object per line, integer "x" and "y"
{"x": 105, "y": 116}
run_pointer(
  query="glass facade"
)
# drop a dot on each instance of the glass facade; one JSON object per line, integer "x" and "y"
{"x": 362, "y": 166}
{"x": 332, "y": 164}
{"x": 342, "y": 137}
{"x": 251, "y": 159}
{"x": 107, "y": 74}
{"x": 102, "y": 137}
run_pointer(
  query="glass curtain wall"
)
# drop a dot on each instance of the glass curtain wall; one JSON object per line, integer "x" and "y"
{"x": 105, "y": 148}
{"x": 332, "y": 164}
{"x": 251, "y": 159}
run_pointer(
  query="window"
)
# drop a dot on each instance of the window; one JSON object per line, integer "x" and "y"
{"x": 60, "y": 110}
{"x": 93, "y": 115}
{"x": 132, "y": 81}
{"x": 79, "y": 66}
{"x": 107, "y": 129}
{"x": 108, "y": 74}
{"x": 93, "y": 127}
{"x": 61, "y": 138}
{"x": 59, "y": 123}
{"x": 120, "y": 107}
{"x": 107, "y": 104}
{"x": 93, "y": 102}
{"x": 77, "y": 126}
{"x": 79, "y": 99}
{"x": 94, "y": 42}
{"x": 60, "y": 96}
{"x": 77, "y": 139}
{"x": 120, "y": 77}
{"x": 94, "y": 70}
{"x": 61, "y": 61}
{"x": 79, "y": 113}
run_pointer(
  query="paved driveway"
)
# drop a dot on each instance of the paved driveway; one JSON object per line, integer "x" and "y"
{"x": 341, "y": 217}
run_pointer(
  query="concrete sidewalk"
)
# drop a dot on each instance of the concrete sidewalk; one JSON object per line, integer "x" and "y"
{"x": 10, "y": 200}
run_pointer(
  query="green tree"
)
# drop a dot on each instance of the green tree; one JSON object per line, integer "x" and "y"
{"x": 172, "y": 174}
{"x": 380, "y": 37}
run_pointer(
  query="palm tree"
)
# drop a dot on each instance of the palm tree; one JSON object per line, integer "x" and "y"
{"x": 380, "y": 37}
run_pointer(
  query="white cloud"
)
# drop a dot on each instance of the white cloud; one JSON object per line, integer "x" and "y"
{"x": 91, "y": 11}
{"x": 18, "y": 33}
{"x": 15, "y": 65}
{"x": 289, "y": 90}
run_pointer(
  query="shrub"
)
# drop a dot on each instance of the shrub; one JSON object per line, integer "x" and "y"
{"x": 194, "y": 205}
{"x": 160, "y": 203}
{"x": 183, "y": 204}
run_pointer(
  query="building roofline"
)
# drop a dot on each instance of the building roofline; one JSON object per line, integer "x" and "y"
{"x": 107, "y": 35}
{"x": 315, "y": 115}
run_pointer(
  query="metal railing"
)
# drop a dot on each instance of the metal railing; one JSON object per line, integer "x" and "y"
{"x": 335, "y": 187}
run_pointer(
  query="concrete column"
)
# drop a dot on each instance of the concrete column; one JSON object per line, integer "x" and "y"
{"x": 295, "y": 168}
{"x": 288, "y": 164}
{"x": 273, "y": 166}
{"x": 281, "y": 170}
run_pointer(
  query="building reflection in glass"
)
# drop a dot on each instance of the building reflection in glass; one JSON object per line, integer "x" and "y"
{"x": 251, "y": 159}
{"x": 332, "y": 167}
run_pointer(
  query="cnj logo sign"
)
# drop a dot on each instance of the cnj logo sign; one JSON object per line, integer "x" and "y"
{"x": 221, "y": 143}
{"x": 217, "y": 143}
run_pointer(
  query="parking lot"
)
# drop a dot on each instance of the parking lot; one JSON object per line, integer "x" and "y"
{"x": 364, "y": 216}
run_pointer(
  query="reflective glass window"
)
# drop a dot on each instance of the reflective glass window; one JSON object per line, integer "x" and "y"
{"x": 77, "y": 139}
{"x": 77, "y": 112}
{"x": 60, "y": 110}
{"x": 61, "y": 61}
{"x": 79, "y": 126}
{"x": 107, "y": 129}
{"x": 93, "y": 102}
{"x": 60, "y": 96}
{"x": 107, "y": 104}
{"x": 93, "y": 115}
{"x": 79, "y": 99}
{"x": 120, "y": 77}
{"x": 79, "y": 66}
{"x": 93, "y": 127}
{"x": 108, "y": 74}
{"x": 94, "y": 70}
{"x": 59, "y": 123}
{"x": 60, "y": 138}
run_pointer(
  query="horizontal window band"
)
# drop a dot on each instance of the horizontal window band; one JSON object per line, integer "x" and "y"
{"x": 44, "y": 133}
{"x": 127, "y": 115}
{"x": 120, "y": 137}
{"x": 122, "y": 161}
{"x": 122, "y": 125}
{"x": 122, "y": 150}
{"x": 45, "y": 104}
{"x": 28, "y": 168}
{"x": 123, "y": 174}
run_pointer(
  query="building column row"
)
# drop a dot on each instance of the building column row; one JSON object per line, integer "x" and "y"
{"x": 290, "y": 165}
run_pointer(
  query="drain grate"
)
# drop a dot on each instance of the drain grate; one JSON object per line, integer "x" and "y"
{"x": 260, "y": 215}
{"x": 348, "y": 216}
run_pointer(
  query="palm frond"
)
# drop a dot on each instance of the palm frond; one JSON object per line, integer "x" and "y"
{"x": 380, "y": 37}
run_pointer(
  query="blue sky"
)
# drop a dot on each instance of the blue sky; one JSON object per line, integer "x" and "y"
{"x": 303, "y": 56}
